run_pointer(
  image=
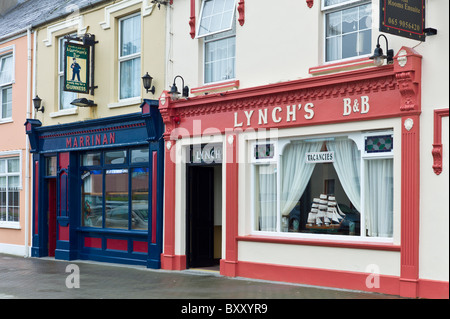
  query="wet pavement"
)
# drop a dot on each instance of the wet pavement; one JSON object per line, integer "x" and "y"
{"x": 46, "y": 278}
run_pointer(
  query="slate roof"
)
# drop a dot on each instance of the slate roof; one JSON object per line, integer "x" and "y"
{"x": 39, "y": 12}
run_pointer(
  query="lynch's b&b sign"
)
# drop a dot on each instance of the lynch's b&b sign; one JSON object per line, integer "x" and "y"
{"x": 76, "y": 68}
{"x": 405, "y": 18}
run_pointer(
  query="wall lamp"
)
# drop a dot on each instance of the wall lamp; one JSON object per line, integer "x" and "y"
{"x": 175, "y": 95}
{"x": 83, "y": 102}
{"x": 147, "y": 82}
{"x": 378, "y": 56}
{"x": 37, "y": 104}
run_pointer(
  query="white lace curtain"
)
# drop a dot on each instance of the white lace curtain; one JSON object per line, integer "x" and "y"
{"x": 348, "y": 167}
{"x": 295, "y": 173}
{"x": 378, "y": 203}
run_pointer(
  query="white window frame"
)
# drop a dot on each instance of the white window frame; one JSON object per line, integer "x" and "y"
{"x": 127, "y": 57}
{"x": 61, "y": 91}
{"x": 219, "y": 35}
{"x": 9, "y": 52}
{"x": 335, "y": 8}
{"x": 359, "y": 138}
{"x": 6, "y": 156}
{"x": 232, "y": 20}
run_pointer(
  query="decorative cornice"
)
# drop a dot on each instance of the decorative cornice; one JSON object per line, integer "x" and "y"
{"x": 266, "y": 97}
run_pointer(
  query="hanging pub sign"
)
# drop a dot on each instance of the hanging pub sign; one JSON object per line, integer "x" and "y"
{"x": 405, "y": 18}
{"x": 76, "y": 68}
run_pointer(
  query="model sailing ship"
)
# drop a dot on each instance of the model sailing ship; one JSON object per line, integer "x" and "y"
{"x": 325, "y": 214}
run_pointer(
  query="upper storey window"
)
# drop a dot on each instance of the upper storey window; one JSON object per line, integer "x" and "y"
{"x": 217, "y": 26}
{"x": 130, "y": 56}
{"x": 6, "y": 79}
{"x": 348, "y": 28}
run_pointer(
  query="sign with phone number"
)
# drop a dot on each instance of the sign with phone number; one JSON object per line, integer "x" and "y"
{"x": 405, "y": 18}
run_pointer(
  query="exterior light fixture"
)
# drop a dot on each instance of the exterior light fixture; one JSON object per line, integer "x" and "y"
{"x": 83, "y": 102}
{"x": 378, "y": 56}
{"x": 175, "y": 95}
{"x": 147, "y": 82}
{"x": 37, "y": 104}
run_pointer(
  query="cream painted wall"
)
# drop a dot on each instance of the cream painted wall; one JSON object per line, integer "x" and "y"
{"x": 106, "y": 59}
{"x": 280, "y": 41}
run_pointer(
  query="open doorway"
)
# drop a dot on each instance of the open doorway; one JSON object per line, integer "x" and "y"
{"x": 204, "y": 216}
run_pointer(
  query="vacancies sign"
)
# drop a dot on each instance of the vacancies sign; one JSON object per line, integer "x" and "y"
{"x": 76, "y": 68}
{"x": 405, "y": 18}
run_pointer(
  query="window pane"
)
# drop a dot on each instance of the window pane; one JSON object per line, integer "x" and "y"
{"x": 130, "y": 35}
{"x": 379, "y": 203}
{"x": 116, "y": 198}
{"x": 65, "y": 98}
{"x": 6, "y": 102}
{"x": 130, "y": 78}
{"x": 265, "y": 197}
{"x": 217, "y": 16}
{"x": 50, "y": 166}
{"x": 91, "y": 159}
{"x": 348, "y": 32}
{"x": 13, "y": 165}
{"x": 91, "y": 198}
{"x": 116, "y": 157}
{"x": 139, "y": 199}
{"x": 139, "y": 156}
{"x": 220, "y": 60}
{"x": 2, "y": 166}
{"x": 321, "y": 196}
{"x": 6, "y": 69}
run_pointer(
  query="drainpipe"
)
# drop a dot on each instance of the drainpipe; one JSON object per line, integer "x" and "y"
{"x": 27, "y": 146}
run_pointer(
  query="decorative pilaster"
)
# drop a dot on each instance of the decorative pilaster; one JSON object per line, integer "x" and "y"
{"x": 228, "y": 266}
{"x": 407, "y": 67}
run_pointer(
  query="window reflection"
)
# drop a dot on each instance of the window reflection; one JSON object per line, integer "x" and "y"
{"x": 139, "y": 199}
{"x": 91, "y": 198}
{"x": 116, "y": 198}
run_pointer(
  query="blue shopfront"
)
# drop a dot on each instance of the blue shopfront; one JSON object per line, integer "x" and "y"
{"x": 97, "y": 188}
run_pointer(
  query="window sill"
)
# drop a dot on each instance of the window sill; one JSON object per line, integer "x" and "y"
{"x": 66, "y": 112}
{"x": 10, "y": 225}
{"x": 320, "y": 242}
{"x": 126, "y": 102}
{"x": 6, "y": 120}
{"x": 345, "y": 65}
{"x": 216, "y": 87}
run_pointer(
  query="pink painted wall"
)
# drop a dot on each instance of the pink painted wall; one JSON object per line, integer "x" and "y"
{"x": 12, "y": 134}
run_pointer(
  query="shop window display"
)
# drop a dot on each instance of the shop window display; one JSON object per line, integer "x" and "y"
{"x": 318, "y": 186}
{"x": 115, "y": 194}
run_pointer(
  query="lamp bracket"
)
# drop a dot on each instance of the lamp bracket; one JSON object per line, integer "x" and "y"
{"x": 429, "y": 31}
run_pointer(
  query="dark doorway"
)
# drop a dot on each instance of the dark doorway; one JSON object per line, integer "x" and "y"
{"x": 51, "y": 216}
{"x": 200, "y": 216}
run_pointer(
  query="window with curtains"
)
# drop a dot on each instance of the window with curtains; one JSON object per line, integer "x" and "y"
{"x": 65, "y": 97}
{"x": 339, "y": 185}
{"x": 9, "y": 189}
{"x": 6, "y": 79}
{"x": 348, "y": 28}
{"x": 115, "y": 189}
{"x": 217, "y": 27}
{"x": 129, "y": 57}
